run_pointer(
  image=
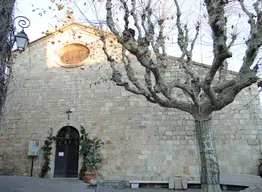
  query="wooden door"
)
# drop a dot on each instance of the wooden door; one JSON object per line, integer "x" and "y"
{"x": 67, "y": 153}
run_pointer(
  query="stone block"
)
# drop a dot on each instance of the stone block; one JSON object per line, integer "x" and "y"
{"x": 168, "y": 137}
{"x": 142, "y": 156}
{"x": 176, "y": 142}
{"x": 169, "y": 157}
{"x": 171, "y": 182}
{"x": 184, "y": 182}
{"x": 253, "y": 142}
{"x": 178, "y": 182}
{"x": 186, "y": 170}
{"x": 169, "y": 133}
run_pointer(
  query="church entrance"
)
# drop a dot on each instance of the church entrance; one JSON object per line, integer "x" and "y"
{"x": 67, "y": 152}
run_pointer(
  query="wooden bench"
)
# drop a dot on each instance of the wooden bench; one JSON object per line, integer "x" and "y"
{"x": 135, "y": 184}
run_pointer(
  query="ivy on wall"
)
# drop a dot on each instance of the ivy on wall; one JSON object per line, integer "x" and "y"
{"x": 47, "y": 148}
{"x": 90, "y": 151}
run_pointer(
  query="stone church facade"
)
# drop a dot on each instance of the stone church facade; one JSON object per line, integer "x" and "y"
{"x": 68, "y": 70}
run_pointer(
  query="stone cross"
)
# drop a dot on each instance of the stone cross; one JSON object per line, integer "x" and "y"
{"x": 68, "y": 113}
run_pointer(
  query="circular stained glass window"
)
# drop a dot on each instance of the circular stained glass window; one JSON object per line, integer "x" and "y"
{"x": 73, "y": 54}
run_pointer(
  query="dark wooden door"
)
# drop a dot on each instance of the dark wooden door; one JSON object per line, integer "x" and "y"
{"x": 67, "y": 153}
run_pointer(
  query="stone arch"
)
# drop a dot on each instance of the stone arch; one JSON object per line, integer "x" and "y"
{"x": 56, "y": 130}
{"x": 64, "y": 124}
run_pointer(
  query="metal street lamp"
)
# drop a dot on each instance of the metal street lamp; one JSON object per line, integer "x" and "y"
{"x": 21, "y": 41}
{"x": 21, "y": 37}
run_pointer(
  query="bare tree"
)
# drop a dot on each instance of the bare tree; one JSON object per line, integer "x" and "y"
{"x": 6, "y": 23}
{"x": 207, "y": 94}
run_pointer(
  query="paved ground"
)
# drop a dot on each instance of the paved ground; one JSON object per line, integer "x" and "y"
{"x": 31, "y": 184}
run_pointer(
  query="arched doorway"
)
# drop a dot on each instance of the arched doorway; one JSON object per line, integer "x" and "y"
{"x": 67, "y": 152}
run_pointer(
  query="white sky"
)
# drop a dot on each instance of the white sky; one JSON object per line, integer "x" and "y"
{"x": 192, "y": 13}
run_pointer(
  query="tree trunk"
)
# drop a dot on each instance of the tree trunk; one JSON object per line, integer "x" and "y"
{"x": 6, "y": 22}
{"x": 210, "y": 181}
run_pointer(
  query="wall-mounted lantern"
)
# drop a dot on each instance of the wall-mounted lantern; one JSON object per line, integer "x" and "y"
{"x": 21, "y": 37}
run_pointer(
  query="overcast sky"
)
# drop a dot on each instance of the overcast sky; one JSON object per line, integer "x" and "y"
{"x": 192, "y": 10}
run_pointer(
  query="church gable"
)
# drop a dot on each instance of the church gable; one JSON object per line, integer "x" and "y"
{"x": 75, "y": 46}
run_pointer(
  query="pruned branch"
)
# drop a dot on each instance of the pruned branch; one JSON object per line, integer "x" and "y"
{"x": 182, "y": 40}
{"x": 229, "y": 93}
{"x": 221, "y": 86}
{"x": 110, "y": 20}
{"x": 223, "y": 72}
{"x": 126, "y": 15}
{"x": 160, "y": 41}
{"x": 257, "y": 9}
{"x": 229, "y": 89}
{"x": 180, "y": 37}
{"x": 117, "y": 77}
{"x": 194, "y": 40}
{"x": 233, "y": 39}
{"x": 150, "y": 29}
{"x": 171, "y": 103}
{"x": 131, "y": 75}
{"x": 217, "y": 22}
{"x": 255, "y": 40}
{"x": 133, "y": 13}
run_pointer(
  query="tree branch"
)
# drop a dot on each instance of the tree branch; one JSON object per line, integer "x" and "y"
{"x": 117, "y": 77}
{"x": 133, "y": 13}
{"x": 161, "y": 91}
{"x": 255, "y": 40}
{"x": 160, "y": 42}
{"x": 183, "y": 44}
{"x": 110, "y": 21}
{"x": 172, "y": 103}
{"x": 256, "y": 7}
{"x": 223, "y": 72}
{"x": 180, "y": 37}
{"x": 228, "y": 94}
{"x": 150, "y": 28}
{"x": 217, "y": 22}
{"x": 131, "y": 75}
{"x": 126, "y": 15}
{"x": 234, "y": 37}
{"x": 227, "y": 91}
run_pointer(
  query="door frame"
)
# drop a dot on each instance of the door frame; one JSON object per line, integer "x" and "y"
{"x": 55, "y": 132}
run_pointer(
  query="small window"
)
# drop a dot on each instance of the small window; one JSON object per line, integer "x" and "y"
{"x": 73, "y": 54}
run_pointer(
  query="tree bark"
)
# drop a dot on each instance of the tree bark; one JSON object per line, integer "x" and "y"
{"x": 210, "y": 181}
{"x": 6, "y": 23}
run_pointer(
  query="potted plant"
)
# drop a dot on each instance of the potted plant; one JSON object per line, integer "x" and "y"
{"x": 90, "y": 151}
{"x": 260, "y": 168}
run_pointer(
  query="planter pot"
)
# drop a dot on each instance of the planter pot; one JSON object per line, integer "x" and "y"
{"x": 89, "y": 176}
{"x": 260, "y": 173}
{"x": 260, "y": 169}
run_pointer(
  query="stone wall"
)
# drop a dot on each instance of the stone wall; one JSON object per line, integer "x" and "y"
{"x": 142, "y": 140}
